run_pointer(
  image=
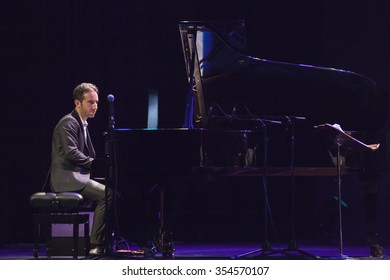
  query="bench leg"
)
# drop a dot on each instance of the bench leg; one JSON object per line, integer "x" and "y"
{"x": 36, "y": 238}
{"x": 75, "y": 240}
{"x": 87, "y": 245}
{"x": 49, "y": 241}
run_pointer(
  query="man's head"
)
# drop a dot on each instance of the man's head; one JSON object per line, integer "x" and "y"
{"x": 86, "y": 99}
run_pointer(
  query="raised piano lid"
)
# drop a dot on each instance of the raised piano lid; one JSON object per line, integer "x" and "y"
{"x": 220, "y": 72}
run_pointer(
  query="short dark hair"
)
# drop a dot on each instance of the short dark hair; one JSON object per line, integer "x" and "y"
{"x": 78, "y": 92}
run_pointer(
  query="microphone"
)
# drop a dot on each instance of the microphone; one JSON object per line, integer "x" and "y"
{"x": 110, "y": 99}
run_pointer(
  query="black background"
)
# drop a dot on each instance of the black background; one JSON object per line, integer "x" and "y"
{"x": 129, "y": 48}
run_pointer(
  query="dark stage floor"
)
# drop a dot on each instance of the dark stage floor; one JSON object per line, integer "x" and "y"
{"x": 195, "y": 251}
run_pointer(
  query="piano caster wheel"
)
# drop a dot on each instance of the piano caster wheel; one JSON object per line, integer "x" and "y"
{"x": 36, "y": 253}
{"x": 377, "y": 251}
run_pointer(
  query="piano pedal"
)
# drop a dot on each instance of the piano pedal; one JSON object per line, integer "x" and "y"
{"x": 166, "y": 248}
{"x": 150, "y": 252}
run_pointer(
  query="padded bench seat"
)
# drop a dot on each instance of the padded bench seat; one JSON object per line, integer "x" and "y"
{"x": 59, "y": 208}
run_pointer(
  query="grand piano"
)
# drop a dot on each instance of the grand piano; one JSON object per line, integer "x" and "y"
{"x": 246, "y": 118}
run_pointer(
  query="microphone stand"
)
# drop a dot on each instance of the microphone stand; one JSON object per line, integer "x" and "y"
{"x": 111, "y": 168}
{"x": 266, "y": 248}
{"x": 110, "y": 183}
{"x": 292, "y": 245}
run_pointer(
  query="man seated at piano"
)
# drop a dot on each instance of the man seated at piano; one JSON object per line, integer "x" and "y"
{"x": 72, "y": 156}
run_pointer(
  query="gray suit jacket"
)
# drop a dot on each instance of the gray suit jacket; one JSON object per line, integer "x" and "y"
{"x": 71, "y": 156}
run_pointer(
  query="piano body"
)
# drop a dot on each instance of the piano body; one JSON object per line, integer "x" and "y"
{"x": 246, "y": 118}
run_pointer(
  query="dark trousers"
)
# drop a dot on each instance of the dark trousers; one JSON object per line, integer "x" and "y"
{"x": 96, "y": 191}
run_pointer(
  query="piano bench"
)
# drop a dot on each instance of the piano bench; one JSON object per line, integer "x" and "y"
{"x": 58, "y": 208}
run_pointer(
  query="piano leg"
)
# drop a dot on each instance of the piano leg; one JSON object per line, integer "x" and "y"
{"x": 165, "y": 248}
{"x": 370, "y": 193}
